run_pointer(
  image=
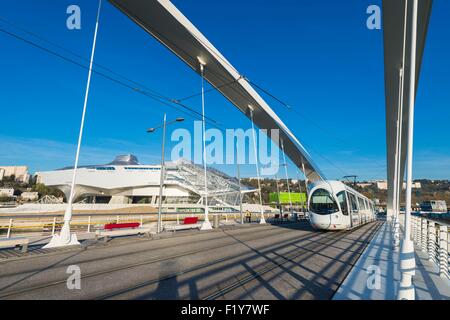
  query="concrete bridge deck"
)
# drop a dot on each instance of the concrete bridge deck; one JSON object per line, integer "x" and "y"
{"x": 284, "y": 261}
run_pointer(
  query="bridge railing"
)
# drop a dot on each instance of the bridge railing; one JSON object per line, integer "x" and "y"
{"x": 91, "y": 223}
{"x": 432, "y": 238}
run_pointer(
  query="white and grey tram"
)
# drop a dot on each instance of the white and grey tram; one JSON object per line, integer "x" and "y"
{"x": 332, "y": 205}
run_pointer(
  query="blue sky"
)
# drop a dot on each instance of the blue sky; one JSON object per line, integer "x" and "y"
{"x": 316, "y": 55}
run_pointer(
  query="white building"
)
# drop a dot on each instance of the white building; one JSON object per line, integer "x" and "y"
{"x": 382, "y": 185}
{"x": 364, "y": 184}
{"x": 20, "y": 173}
{"x": 6, "y": 192}
{"x": 29, "y": 196}
{"x": 125, "y": 180}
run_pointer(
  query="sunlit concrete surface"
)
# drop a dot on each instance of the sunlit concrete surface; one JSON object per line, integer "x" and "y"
{"x": 283, "y": 261}
{"x": 380, "y": 253}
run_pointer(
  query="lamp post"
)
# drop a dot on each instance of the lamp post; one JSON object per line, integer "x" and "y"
{"x": 206, "y": 225}
{"x": 161, "y": 179}
{"x": 300, "y": 190}
{"x": 262, "y": 220}
{"x": 278, "y": 195}
{"x": 240, "y": 186}
{"x": 286, "y": 174}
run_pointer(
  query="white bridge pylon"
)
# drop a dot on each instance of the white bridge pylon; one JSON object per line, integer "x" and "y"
{"x": 405, "y": 26}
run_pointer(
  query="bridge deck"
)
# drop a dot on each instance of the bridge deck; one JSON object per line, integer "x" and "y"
{"x": 285, "y": 261}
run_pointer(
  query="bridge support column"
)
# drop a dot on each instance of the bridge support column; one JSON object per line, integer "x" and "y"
{"x": 407, "y": 255}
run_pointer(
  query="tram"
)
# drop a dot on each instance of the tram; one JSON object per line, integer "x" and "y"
{"x": 332, "y": 205}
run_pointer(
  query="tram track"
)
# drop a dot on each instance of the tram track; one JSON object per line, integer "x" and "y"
{"x": 313, "y": 248}
{"x": 325, "y": 239}
{"x": 180, "y": 273}
{"x": 290, "y": 258}
{"x": 143, "y": 263}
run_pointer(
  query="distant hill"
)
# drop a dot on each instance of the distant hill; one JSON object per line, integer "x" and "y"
{"x": 430, "y": 189}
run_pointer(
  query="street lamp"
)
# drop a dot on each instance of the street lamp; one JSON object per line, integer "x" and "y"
{"x": 161, "y": 179}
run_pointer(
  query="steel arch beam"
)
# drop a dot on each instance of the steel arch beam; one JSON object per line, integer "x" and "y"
{"x": 162, "y": 20}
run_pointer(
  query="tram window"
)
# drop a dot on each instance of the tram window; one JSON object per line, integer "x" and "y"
{"x": 343, "y": 202}
{"x": 361, "y": 204}
{"x": 353, "y": 205}
{"x": 322, "y": 202}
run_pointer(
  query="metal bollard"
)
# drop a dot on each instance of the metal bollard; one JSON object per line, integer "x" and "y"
{"x": 8, "y": 235}
{"x": 142, "y": 220}
{"x": 396, "y": 233}
{"x": 89, "y": 224}
{"x": 216, "y": 221}
{"x": 419, "y": 232}
{"x": 417, "y": 229}
{"x": 178, "y": 218}
{"x": 424, "y": 235}
{"x": 443, "y": 251}
{"x": 54, "y": 226}
{"x": 118, "y": 219}
{"x": 432, "y": 242}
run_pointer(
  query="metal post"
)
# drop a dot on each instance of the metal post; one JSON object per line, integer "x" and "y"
{"x": 407, "y": 259}
{"x": 239, "y": 181}
{"x": 443, "y": 252}
{"x": 300, "y": 190}
{"x": 398, "y": 181}
{"x": 419, "y": 231}
{"x": 89, "y": 224}
{"x": 278, "y": 196}
{"x": 263, "y": 220}
{"x": 432, "y": 242}
{"x": 206, "y": 225}
{"x": 306, "y": 178}
{"x": 286, "y": 174}
{"x": 161, "y": 178}
{"x": 424, "y": 237}
{"x": 53, "y": 226}
{"x": 142, "y": 220}
{"x": 65, "y": 237}
{"x": 416, "y": 229}
{"x": 8, "y": 234}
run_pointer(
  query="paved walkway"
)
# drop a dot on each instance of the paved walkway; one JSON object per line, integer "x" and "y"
{"x": 380, "y": 254}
